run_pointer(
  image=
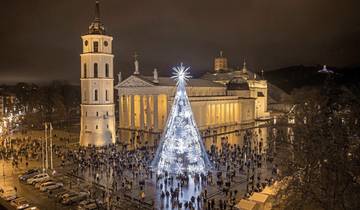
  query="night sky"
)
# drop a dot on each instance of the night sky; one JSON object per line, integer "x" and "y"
{"x": 41, "y": 38}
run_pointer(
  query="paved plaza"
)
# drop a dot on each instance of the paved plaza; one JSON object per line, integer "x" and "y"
{"x": 121, "y": 178}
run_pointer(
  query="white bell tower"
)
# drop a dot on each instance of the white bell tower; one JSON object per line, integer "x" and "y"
{"x": 97, "y": 89}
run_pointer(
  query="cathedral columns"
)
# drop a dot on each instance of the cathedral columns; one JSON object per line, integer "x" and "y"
{"x": 208, "y": 119}
{"x": 230, "y": 113}
{"x": 156, "y": 112}
{"x": 141, "y": 112}
{"x": 213, "y": 114}
{"x": 148, "y": 112}
{"x": 125, "y": 101}
{"x": 226, "y": 112}
{"x": 217, "y": 113}
{"x": 237, "y": 112}
{"x": 233, "y": 113}
{"x": 222, "y": 114}
{"x": 120, "y": 110}
{"x": 223, "y": 107}
{"x": 217, "y": 117}
{"x": 132, "y": 115}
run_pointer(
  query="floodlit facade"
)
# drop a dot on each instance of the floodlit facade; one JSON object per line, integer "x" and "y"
{"x": 145, "y": 101}
{"x": 97, "y": 92}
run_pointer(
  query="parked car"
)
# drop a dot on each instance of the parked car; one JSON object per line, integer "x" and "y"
{"x": 75, "y": 198}
{"x": 8, "y": 193}
{"x": 20, "y": 203}
{"x": 10, "y": 197}
{"x": 32, "y": 208}
{"x": 88, "y": 204}
{"x": 56, "y": 192}
{"x": 28, "y": 174}
{"x": 6, "y": 190}
{"x": 38, "y": 178}
{"x": 50, "y": 186}
{"x": 85, "y": 202}
{"x": 64, "y": 195}
{"x": 37, "y": 185}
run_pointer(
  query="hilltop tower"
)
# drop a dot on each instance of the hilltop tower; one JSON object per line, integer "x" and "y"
{"x": 97, "y": 89}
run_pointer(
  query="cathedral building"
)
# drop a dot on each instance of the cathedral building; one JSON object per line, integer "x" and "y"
{"x": 222, "y": 97}
{"x": 97, "y": 88}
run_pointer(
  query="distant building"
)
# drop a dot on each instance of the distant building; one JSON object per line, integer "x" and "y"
{"x": 2, "y": 107}
{"x": 7, "y": 103}
{"x": 97, "y": 89}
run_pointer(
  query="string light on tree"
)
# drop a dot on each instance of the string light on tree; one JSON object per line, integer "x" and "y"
{"x": 181, "y": 150}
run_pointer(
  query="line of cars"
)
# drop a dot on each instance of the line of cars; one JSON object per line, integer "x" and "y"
{"x": 10, "y": 194}
{"x": 41, "y": 181}
{"x": 44, "y": 183}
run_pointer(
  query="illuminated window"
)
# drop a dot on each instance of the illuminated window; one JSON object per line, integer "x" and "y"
{"x": 95, "y": 95}
{"x": 96, "y": 46}
{"x": 95, "y": 70}
{"x": 106, "y": 70}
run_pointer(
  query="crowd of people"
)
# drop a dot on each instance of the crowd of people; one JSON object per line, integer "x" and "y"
{"x": 239, "y": 170}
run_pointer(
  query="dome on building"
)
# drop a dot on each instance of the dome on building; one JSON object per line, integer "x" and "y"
{"x": 238, "y": 83}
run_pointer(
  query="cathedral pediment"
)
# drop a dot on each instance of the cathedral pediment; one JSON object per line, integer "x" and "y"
{"x": 134, "y": 81}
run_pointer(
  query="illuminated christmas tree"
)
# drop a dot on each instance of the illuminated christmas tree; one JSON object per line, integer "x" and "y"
{"x": 181, "y": 149}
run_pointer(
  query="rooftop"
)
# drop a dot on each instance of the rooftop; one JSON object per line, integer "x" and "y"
{"x": 167, "y": 81}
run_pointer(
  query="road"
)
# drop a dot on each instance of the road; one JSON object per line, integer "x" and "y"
{"x": 35, "y": 197}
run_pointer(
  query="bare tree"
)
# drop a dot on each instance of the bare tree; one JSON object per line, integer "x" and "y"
{"x": 320, "y": 153}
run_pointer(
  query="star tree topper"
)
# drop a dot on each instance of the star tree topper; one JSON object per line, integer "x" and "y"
{"x": 181, "y": 74}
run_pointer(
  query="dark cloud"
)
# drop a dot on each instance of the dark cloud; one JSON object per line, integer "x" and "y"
{"x": 41, "y": 38}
